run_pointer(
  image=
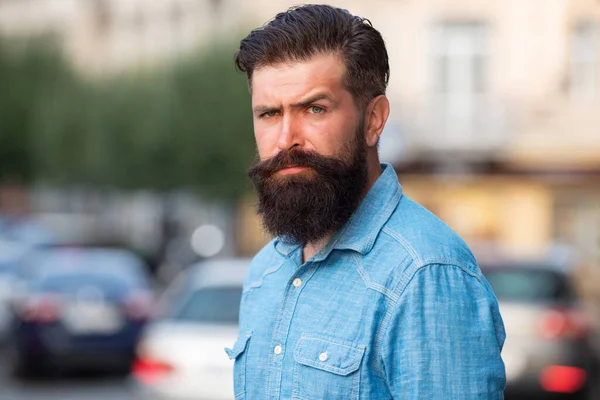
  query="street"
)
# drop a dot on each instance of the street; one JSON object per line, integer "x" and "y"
{"x": 93, "y": 387}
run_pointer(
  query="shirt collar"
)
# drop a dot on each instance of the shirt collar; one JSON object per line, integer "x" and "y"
{"x": 361, "y": 230}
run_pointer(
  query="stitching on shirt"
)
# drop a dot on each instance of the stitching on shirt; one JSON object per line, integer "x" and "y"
{"x": 354, "y": 353}
{"x": 404, "y": 244}
{"x": 258, "y": 283}
{"x": 361, "y": 244}
{"x": 383, "y": 216}
{"x": 336, "y": 341}
{"x": 417, "y": 268}
{"x": 374, "y": 286}
{"x": 379, "y": 363}
{"x": 408, "y": 276}
{"x": 411, "y": 273}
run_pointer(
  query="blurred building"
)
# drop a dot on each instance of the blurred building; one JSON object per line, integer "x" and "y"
{"x": 495, "y": 123}
{"x": 499, "y": 104}
{"x": 110, "y": 36}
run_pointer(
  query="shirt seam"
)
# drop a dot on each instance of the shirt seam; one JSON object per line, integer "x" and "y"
{"x": 404, "y": 243}
{"x": 384, "y": 330}
{"x": 258, "y": 283}
{"x": 373, "y": 286}
{"x": 367, "y": 242}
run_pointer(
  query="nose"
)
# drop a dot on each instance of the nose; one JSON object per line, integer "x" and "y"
{"x": 290, "y": 135}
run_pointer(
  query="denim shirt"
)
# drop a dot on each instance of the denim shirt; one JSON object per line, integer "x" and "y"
{"x": 393, "y": 307}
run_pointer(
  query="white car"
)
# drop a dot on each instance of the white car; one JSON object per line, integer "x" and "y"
{"x": 181, "y": 354}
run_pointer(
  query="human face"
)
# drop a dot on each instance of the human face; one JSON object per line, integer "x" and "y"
{"x": 313, "y": 164}
{"x": 305, "y": 106}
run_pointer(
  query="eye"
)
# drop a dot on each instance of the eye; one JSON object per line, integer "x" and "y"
{"x": 268, "y": 114}
{"x": 316, "y": 109}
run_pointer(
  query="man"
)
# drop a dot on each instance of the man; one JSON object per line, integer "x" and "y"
{"x": 363, "y": 294}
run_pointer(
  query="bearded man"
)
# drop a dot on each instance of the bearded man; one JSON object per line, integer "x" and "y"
{"x": 363, "y": 294}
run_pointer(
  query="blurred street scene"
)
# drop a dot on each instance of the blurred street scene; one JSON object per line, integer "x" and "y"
{"x": 127, "y": 220}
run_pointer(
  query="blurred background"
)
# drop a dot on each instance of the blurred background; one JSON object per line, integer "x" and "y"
{"x": 126, "y": 218}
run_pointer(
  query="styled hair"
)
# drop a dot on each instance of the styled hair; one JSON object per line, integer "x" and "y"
{"x": 303, "y": 32}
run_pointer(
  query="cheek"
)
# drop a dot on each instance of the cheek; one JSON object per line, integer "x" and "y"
{"x": 265, "y": 144}
{"x": 331, "y": 138}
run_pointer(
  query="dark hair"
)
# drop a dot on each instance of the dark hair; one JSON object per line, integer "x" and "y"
{"x": 302, "y": 32}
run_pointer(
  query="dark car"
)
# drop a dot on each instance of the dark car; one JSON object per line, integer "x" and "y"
{"x": 82, "y": 308}
{"x": 548, "y": 351}
{"x": 11, "y": 254}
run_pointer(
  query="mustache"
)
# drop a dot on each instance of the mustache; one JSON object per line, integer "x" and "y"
{"x": 295, "y": 158}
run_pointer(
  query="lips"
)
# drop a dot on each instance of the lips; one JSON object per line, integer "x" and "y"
{"x": 293, "y": 169}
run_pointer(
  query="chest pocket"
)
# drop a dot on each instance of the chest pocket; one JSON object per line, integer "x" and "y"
{"x": 238, "y": 353}
{"x": 326, "y": 369}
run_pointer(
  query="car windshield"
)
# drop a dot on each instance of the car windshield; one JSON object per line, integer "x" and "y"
{"x": 529, "y": 284}
{"x": 8, "y": 268}
{"x": 215, "y": 305}
{"x": 64, "y": 268}
{"x": 71, "y": 284}
{"x": 10, "y": 257}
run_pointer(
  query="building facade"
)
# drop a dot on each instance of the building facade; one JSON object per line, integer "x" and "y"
{"x": 106, "y": 37}
{"x": 494, "y": 126}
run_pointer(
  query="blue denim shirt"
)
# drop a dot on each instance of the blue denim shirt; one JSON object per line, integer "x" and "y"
{"x": 394, "y": 307}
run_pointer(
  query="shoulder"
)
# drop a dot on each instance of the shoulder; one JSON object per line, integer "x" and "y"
{"x": 425, "y": 237}
{"x": 414, "y": 238}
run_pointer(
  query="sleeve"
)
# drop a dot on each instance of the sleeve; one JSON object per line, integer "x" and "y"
{"x": 444, "y": 338}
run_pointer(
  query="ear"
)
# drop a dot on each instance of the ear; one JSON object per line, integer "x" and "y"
{"x": 377, "y": 114}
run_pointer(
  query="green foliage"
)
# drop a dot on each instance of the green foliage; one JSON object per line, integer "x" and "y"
{"x": 186, "y": 126}
{"x": 30, "y": 74}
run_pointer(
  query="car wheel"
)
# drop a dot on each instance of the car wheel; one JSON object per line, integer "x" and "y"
{"x": 22, "y": 366}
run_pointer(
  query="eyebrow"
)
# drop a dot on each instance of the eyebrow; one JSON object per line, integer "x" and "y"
{"x": 310, "y": 100}
{"x": 300, "y": 104}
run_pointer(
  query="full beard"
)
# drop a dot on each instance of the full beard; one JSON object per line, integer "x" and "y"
{"x": 308, "y": 206}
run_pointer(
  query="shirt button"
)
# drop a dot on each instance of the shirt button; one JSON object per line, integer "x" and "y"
{"x": 297, "y": 282}
{"x": 323, "y": 356}
{"x": 277, "y": 350}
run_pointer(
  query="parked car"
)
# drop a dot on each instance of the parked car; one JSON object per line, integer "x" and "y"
{"x": 548, "y": 350}
{"x": 11, "y": 256}
{"x": 181, "y": 354}
{"x": 81, "y": 308}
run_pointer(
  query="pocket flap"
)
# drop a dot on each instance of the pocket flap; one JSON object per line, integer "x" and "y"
{"x": 239, "y": 347}
{"x": 328, "y": 356}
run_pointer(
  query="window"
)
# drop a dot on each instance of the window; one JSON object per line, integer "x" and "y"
{"x": 460, "y": 58}
{"x": 584, "y": 62}
{"x": 216, "y": 7}
{"x": 211, "y": 305}
{"x": 459, "y": 62}
{"x": 103, "y": 15}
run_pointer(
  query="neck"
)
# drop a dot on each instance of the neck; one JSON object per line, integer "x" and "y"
{"x": 310, "y": 249}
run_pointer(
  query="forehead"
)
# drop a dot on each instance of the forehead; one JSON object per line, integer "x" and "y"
{"x": 277, "y": 82}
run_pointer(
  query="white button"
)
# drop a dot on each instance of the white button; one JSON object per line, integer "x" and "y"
{"x": 278, "y": 350}
{"x": 297, "y": 282}
{"x": 323, "y": 356}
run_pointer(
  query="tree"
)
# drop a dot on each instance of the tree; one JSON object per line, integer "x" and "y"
{"x": 31, "y": 74}
{"x": 188, "y": 125}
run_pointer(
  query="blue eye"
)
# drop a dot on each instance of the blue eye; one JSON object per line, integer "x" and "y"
{"x": 316, "y": 110}
{"x": 268, "y": 114}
